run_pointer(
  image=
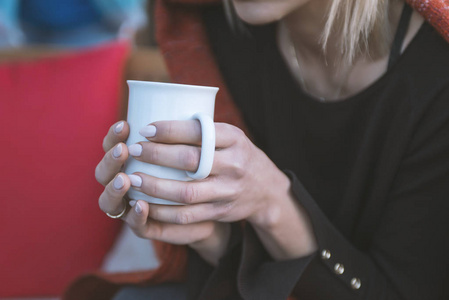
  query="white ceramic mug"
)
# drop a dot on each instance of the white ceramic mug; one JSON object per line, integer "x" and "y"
{"x": 154, "y": 101}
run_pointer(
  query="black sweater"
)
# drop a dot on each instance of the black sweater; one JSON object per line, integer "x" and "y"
{"x": 372, "y": 171}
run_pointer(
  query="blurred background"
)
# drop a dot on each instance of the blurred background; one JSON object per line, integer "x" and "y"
{"x": 63, "y": 71}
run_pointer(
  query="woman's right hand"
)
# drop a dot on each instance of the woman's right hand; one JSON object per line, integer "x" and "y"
{"x": 107, "y": 171}
{"x": 209, "y": 239}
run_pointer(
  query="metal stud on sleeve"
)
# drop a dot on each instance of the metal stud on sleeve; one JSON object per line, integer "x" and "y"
{"x": 325, "y": 254}
{"x": 339, "y": 269}
{"x": 356, "y": 283}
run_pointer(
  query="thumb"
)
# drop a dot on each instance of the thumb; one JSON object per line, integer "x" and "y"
{"x": 138, "y": 214}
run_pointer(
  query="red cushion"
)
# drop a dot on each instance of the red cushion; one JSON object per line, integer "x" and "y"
{"x": 54, "y": 113}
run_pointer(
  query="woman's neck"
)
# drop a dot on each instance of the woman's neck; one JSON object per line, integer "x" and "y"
{"x": 305, "y": 27}
{"x": 321, "y": 73}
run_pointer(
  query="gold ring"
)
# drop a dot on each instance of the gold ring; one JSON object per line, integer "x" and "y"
{"x": 119, "y": 215}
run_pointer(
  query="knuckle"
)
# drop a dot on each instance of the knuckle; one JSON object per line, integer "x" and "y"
{"x": 108, "y": 160}
{"x": 234, "y": 193}
{"x": 184, "y": 217}
{"x": 154, "y": 214}
{"x": 154, "y": 231}
{"x": 157, "y": 214}
{"x": 157, "y": 232}
{"x": 190, "y": 158}
{"x": 153, "y": 188}
{"x": 107, "y": 143}
{"x": 235, "y": 132}
{"x": 104, "y": 171}
{"x": 154, "y": 154}
{"x": 223, "y": 126}
{"x": 168, "y": 129}
{"x": 99, "y": 176}
{"x": 223, "y": 211}
{"x": 238, "y": 168}
{"x": 189, "y": 194}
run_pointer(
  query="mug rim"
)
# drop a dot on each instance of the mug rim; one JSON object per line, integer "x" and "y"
{"x": 175, "y": 85}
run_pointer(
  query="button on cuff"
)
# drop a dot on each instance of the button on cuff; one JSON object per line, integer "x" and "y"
{"x": 325, "y": 254}
{"x": 356, "y": 283}
{"x": 339, "y": 269}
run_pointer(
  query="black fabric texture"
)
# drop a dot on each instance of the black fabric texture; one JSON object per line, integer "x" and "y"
{"x": 372, "y": 172}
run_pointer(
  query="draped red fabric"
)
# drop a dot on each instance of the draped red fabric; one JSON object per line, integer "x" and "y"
{"x": 436, "y": 12}
{"x": 54, "y": 112}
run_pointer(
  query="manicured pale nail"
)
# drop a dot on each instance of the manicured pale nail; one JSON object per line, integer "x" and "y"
{"x": 119, "y": 182}
{"x": 135, "y": 180}
{"x": 148, "y": 131}
{"x": 117, "y": 151}
{"x": 132, "y": 203}
{"x": 135, "y": 149}
{"x": 138, "y": 208}
{"x": 119, "y": 127}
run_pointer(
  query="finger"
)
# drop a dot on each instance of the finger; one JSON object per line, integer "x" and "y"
{"x": 111, "y": 163}
{"x": 189, "y": 132}
{"x": 185, "y": 192}
{"x": 176, "y": 156}
{"x": 227, "y": 135}
{"x": 174, "y": 132}
{"x": 111, "y": 200}
{"x": 137, "y": 217}
{"x": 189, "y": 214}
{"x": 117, "y": 133}
{"x": 144, "y": 227}
{"x": 181, "y": 157}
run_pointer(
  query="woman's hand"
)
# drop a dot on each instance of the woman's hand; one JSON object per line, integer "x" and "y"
{"x": 208, "y": 238}
{"x": 107, "y": 170}
{"x": 243, "y": 184}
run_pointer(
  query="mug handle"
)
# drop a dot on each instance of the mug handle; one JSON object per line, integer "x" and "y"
{"x": 207, "y": 147}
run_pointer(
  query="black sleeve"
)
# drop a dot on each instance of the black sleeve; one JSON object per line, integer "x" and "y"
{"x": 252, "y": 279}
{"x": 408, "y": 254}
{"x": 407, "y": 257}
{"x": 206, "y": 282}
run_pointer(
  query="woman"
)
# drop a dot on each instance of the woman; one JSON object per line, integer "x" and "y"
{"x": 345, "y": 194}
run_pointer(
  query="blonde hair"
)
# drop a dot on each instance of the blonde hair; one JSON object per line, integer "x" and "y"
{"x": 363, "y": 27}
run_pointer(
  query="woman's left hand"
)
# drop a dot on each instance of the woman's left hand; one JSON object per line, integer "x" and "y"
{"x": 242, "y": 185}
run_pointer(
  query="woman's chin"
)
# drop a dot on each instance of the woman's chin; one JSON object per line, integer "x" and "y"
{"x": 259, "y": 13}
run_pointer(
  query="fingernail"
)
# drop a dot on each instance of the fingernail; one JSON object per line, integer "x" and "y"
{"x": 135, "y": 180}
{"x": 135, "y": 149}
{"x": 132, "y": 203}
{"x": 119, "y": 182}
{"x": 138, "y": 208}
{"x": 117, "y": 151}
{"x": 119, "y": 127}
{"x": 148, "y": 131}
